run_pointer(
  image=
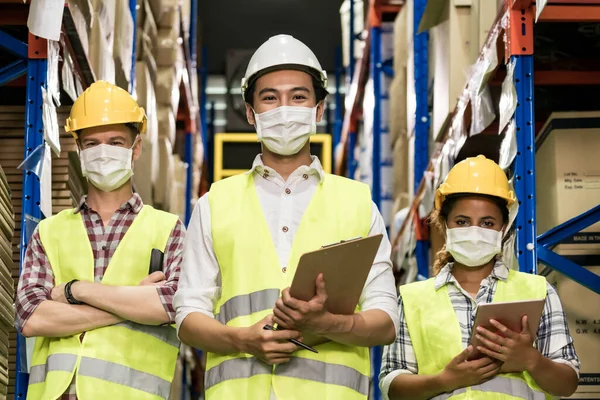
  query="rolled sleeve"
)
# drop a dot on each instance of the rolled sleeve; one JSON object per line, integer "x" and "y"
{"x": 35, "y": 282}
{"x": 380, "y": 290}
{"x": 199, "y": 284}
{"x": 172, "y": 268}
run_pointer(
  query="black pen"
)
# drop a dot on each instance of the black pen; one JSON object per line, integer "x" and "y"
{"x": 296, "y": 342}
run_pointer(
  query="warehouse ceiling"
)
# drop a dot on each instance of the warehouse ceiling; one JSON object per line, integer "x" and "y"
{"x": 245, "y": 24}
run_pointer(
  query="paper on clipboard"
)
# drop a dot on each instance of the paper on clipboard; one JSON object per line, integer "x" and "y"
{"x": 345, "y": 267}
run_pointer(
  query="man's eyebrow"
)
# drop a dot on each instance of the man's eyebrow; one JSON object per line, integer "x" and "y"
{"x": 300, "y": 88}
{"x": 267, "y": 90}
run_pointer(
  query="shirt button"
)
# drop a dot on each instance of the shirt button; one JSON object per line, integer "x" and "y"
{"x": 97, "y": 221}
{"x": 288, "y": 191}
{"x": 305, "y": 176}
{"x": 104, "y": 247}
{"x": 284, "y": 269}
{"x": 284, "y": 229}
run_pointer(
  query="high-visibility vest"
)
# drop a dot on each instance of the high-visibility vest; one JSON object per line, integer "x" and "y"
{"x": 436, "y": 335}
{"x": 252, "y": 280}
{"x": 123, "y": 361}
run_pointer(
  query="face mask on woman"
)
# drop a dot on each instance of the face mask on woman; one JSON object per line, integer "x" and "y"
{"x": 107, "y": 167}
{"x": 473, "y": 246}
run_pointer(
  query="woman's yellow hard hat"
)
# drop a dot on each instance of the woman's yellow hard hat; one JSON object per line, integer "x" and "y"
{"x": 104, "y": 104}
{"x": 475, "y": 175}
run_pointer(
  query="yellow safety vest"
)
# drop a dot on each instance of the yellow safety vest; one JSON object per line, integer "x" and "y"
{"x": 123, "y": 361}
{"x": 436, "y": 335}
{"x": 252, "y": 279}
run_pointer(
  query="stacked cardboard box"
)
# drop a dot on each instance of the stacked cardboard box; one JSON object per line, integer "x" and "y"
{"x": 7, "y": 290}
{"x": 568, "y": 184}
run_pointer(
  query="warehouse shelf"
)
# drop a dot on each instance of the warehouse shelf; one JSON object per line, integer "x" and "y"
{"x": 77, "y": 51}
{"x": 518, "y": 18}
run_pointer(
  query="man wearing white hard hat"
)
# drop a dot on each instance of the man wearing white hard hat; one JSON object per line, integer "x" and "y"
{"x": 246, "y": 236}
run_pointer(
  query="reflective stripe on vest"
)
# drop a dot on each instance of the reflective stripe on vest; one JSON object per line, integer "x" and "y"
{"x": 301, "y": 368}
{"x": 252, "y": 278}
{"x": 54, "y": 362}
{"x": 500, "y": 384}
{"x": 104, "y": 370}
{"x": 437, "y": 336}
{"x": 247, "y": 304}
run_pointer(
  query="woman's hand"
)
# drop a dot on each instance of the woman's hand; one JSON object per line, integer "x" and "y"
{"x": 461, "y": 373}
{"x": 514, "y": 349}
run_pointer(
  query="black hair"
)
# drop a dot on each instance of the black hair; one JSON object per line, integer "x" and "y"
{"x": 320, "y": 92}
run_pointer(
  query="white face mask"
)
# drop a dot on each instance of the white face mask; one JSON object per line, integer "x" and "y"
{"x": 473, "y": 246}
{"x": 285, "y": 130}
{"x": 107, "y": 167}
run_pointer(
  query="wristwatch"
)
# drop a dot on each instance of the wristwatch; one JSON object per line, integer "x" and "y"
{"x": 69, "y": 295}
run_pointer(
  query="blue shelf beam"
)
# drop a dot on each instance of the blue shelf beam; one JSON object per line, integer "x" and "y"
{"x": 377, "y": 81}
{"x": 12, "y": 71}
{"x": 13, "y": 45}
{"x": 339, "y": 105}
{"x": 569, "y": 268}
{"x": 524, "y": 178}
{"x": 569, "y": 228}
{"x": 133, "y": 9}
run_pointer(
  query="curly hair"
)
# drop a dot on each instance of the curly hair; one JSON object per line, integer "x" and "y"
{"x": 439, "y": 220}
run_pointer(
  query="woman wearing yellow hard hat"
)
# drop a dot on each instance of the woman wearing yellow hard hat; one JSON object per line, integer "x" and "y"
{"x": 432, "y": 357}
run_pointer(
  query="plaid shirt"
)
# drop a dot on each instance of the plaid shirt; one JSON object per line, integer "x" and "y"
{"x": 553, "y": 338}
{"x": 37, "y": 281}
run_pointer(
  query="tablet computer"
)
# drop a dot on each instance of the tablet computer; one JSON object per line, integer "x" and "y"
{"x": 508, "y": 314}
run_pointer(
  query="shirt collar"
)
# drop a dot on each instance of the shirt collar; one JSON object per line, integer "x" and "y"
{"x": 134, "y": 204}
{"x": 315, "y": 168}
{"x": 500, "y": 272}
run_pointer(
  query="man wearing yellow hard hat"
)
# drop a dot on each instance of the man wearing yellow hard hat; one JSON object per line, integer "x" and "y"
{"x": 101, "y": 321}
{"x": 247, "y": 234}
{"x": 431, "y": 355}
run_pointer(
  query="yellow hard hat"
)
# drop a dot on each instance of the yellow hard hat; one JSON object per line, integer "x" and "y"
{"x": 476, "y": 175}
{"x": 104, "y": 104}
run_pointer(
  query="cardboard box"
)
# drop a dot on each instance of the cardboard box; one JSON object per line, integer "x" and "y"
{"x": 100, "y": 56}
{"x": 401, "y": 171}
{"x": 581, "y": 306}
{"x": 165, "y": 174}
{"x": 167, "y": 87}
{"x": 177, "y": 192}
{"x": 123, "y": 43}
{"x": 105, "y": 11}
{"x": 398, "y": 118}
{"x": 452, "y": 52}
{"x": 166, "y": 123}
{"x": 567, "y": 180}
{"x": 401, "y": 41}
{"x": 167, "y": 45}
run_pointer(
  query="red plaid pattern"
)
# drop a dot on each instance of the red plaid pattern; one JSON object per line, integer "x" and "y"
{"x": 36, "y": 280}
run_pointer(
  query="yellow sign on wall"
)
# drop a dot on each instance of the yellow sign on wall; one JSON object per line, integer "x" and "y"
{"x": 235, "y": 152}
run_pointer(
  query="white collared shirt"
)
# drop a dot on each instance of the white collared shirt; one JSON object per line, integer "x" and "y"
{"x": 283, "y": 204}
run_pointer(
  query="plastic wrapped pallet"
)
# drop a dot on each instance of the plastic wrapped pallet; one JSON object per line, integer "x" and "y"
{"x": 166, "y": 123}
{"x": 359, "y": 22}
{"x": 163, "y": 11}
{"x": 177, "y": 192}
{"x": 150, "y": 30}
{"x": 165, "y": 174}
{"x": 147, "y": 99}
{"x": 167, "y": 86}
{"x": 104, "y": 15}
{"x": 81, "y": 12}
{"x": 167, "y": 46}
{"x": 123, "y": 45}
{"x": 100, "y": 55}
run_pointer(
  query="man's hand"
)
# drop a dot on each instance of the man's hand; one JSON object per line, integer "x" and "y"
{"x": 291, "y": 313}
{"x": 157, "y": 278}
{"x": 58, "y": 294}
{"x": 461, "y": 373}
{"x": 269, "y": 346}
{"x": 515, "y": 350}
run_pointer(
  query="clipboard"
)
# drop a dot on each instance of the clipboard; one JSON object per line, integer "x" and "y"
{"x": 508, "y": 314}
{"x": 345, "y": 267}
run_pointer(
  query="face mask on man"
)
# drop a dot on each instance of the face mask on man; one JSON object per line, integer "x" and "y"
{"x": 285, "y": 130}
{"x": 107, "y": 167}
{"x": 473, "y": 246}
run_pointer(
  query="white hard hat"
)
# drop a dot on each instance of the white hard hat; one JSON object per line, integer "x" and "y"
{"x": 282, "y": 52}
